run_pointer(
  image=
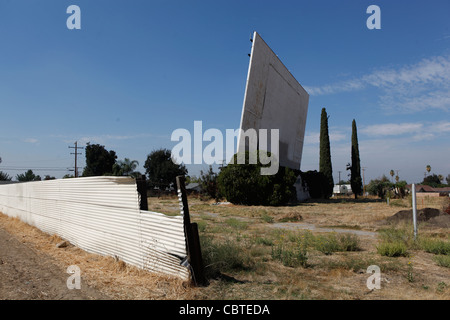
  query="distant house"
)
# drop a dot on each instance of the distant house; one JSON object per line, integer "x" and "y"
{"x": 428, "y": 191}
{"x": 193, "y": 187}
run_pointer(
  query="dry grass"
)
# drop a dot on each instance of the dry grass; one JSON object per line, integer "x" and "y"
{"x": 247, "y": 234}
{"x": 112, "y": 277}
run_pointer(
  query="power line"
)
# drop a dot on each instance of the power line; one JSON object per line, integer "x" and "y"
{"x": 34, "y": 169}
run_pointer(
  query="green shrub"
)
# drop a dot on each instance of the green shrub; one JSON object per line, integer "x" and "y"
{"x": 244, "y": 184}
{"x": 293, "y": 256}
{"x": 435, "y": 246}
{"x": 393, "y": 249}
{"x": 442, "y": 260}
{"x": 266, "y": 218}
{"x": 349, "y": 242}
{"x": 327, "y": 244}
{"x": 263, "y": 241}
{"x": 237, "y": 224}
{"x": 398, "y": 235}
{"x": 223, "y": 256}
{"x": 336, "y": 243}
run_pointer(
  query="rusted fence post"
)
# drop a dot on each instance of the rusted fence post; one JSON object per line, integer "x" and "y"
{"x": 194, "y": 253}
{"x": 141, "y": 184}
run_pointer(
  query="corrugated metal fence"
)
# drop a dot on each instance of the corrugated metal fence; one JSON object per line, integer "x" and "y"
{"x": 101, "y": 215}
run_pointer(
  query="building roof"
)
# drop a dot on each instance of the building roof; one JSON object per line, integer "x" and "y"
{"x": 425, "y": 188}
{"x": 193, "y": 186}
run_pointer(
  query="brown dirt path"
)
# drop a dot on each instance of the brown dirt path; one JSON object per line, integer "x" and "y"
{"x": 27, "y": 275}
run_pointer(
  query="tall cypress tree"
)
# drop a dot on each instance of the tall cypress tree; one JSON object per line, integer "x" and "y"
{"x": 355, "y": 167}
{"x": 325, "y": 155}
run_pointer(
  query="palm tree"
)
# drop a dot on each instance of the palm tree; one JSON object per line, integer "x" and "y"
{"x": 126, "y": 167}
{"x": 392, "y": 174}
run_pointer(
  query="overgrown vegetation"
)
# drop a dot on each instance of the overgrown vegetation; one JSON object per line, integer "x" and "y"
{"x": 399, "y": 242}
{"x": 244, "y": 183}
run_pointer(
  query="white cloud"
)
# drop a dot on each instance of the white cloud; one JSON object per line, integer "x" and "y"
{"x": 412, "y": 88}
{"x": 441, "y": 127}
{"x": 390, "y": 129}
{"x": 314, "y": 137}
{"x": 107, "y": 138}
{"x": 31, "y": 140}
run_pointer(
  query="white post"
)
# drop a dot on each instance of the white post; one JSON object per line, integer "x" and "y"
{"x": 414, "y": 209}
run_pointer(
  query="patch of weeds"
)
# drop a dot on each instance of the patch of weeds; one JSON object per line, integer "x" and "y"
{"x": 336, "y": 243}
{"x": 435, "y": 246}
{"x": 292, "y": 255}
{"x": 441, "y": 287}
{"x": 326, "y": 244}
{"x": 396, "y": 242}
{"x": 349, "y": 242}
{"x": 410, "y": 275}
{"x": 393, "y": 249}
{"x": 201, "y": 225}
{"x": 267, "y": 218}
{"x": 237, "y": 224}
{"x": 263, "y": 241}
{"x": 398, "y": 203}
{"x": 223, "y": 256}
{"x": 395, "y": 235}
{"x": 442, "y": 260}
{"x": 358, "y": 264}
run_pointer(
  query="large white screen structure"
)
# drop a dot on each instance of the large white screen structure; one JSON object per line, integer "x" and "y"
{"x": 274, "y": 100}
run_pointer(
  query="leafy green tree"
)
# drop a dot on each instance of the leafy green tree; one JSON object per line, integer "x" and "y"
{"x": 316, "y": 183}
{"x": 355, "y": 166}
{"x": 379, "y": 187}
{"x": 126, "y": 167}
{"x": 47, "y": 177}
{"x": 244, "y": 184}
{"x": 325, "y": 166}
{"x": 192, "y": 179}
{"x": 401, "y": 187}
{"x": 448, "y": 179}
{"x": 99, "y": 161}
{"x": 432, "y": 181}
{"x": 208, "y": 182}
{"x": 162, "y": 169}
{"x": 28, "y": 176}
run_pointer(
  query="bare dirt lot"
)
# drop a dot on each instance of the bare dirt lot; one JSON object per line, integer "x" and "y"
{"x": 29, "y": 274}
{"x": 253, "y": 252}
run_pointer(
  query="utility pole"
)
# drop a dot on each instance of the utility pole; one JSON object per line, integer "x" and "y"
{"x": 76, "y": 153}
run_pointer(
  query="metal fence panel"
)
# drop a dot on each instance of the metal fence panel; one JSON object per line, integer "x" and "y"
{"x": 101, "y": 215}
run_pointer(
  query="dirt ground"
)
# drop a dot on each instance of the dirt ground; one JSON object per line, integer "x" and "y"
{"x": 26, "y": 274}
{"x": 32, "y": 267}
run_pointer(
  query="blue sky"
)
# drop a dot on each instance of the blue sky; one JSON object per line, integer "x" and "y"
{"x": 136, "y": 71}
